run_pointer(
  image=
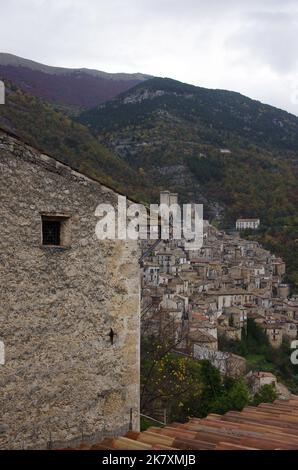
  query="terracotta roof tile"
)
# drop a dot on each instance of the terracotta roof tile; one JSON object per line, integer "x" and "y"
{"x": 266, "y": 427}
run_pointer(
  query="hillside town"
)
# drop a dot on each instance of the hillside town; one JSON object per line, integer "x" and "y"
{"x": 210, "y": 293}
{"x": 149, "y": 232}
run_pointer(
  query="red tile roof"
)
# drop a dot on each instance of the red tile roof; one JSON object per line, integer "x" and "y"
{"x": 268, "y": 426}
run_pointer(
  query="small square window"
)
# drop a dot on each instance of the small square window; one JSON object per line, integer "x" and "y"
{"x": 51, "y": 232}
{"x": 54, "y": 231}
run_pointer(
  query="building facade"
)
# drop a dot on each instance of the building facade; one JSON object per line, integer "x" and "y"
{"x": 245, "y": 224}
{"x": 69, "y": 307}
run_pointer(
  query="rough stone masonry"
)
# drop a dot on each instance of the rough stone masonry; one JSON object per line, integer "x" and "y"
{"x": 63, "y": 380}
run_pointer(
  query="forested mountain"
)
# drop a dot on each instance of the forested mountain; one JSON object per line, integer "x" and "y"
{"x": 71, "y": 89}
{"x": 238, "y": 152}
{"x": 221, "y": 114}
{"x": 236, "y": 155}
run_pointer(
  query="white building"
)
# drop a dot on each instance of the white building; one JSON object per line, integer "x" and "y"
{"x": 225, "y": 151}
{"x": 243, "y": 224}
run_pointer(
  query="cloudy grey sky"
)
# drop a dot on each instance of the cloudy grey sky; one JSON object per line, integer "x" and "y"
{"x": 247, "y": 46}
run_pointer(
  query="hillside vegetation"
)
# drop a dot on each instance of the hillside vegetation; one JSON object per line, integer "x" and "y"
{"x": 39, "y": 124}
{"x": 236, "y": 155}
{"x": 260, "y": 355}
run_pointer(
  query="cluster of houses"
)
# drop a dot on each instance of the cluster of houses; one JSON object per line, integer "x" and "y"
{"x": 200, "y": 295}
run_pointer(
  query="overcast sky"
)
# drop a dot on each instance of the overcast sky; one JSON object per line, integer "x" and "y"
{"x": 247, "y": 46}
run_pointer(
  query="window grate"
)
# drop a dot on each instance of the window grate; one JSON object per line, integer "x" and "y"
{"x": 51, "y": 230}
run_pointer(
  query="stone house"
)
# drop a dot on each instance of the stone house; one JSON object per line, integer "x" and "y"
{"x": 166, "y": 261}
{"x": 274, "y": 333}
{"x": 289, "y": 330}
{"x": 180, "y": 256}
{"x": 164, "y": 279}
{"x": 237, "y": 316}
{"x": 256, "y": 380}
{"x": 69, "y": 307}
{"x": 150, "y": 274}
{"x": 178, "y": 285}
{"x": 289, "y": 307}
{"x": 203, "y": 339}
{"x": 175, "y": 302}
{"x": 283, "y": 291}
{"x": 227, "y": 363}
{"x": 278, "y": 267}
{"x": 263, "y": 299}
{"x": 230, "y": 332}
{"x": 230, "y": 298}
{"x": 198, "y": 322}
{"x": 223, "y": 320}
{"x": 208, "y": 327}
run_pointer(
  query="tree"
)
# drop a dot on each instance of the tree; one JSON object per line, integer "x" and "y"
{"x": 234, "y": 396}
{"x": 266, "y": 394}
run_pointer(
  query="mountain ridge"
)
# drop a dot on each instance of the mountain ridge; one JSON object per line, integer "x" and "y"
{"x": 74, "y": 88}
{"x": 17, "y": 61}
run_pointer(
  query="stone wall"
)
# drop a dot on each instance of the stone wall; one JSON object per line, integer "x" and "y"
{"x": 63, "y": 380}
